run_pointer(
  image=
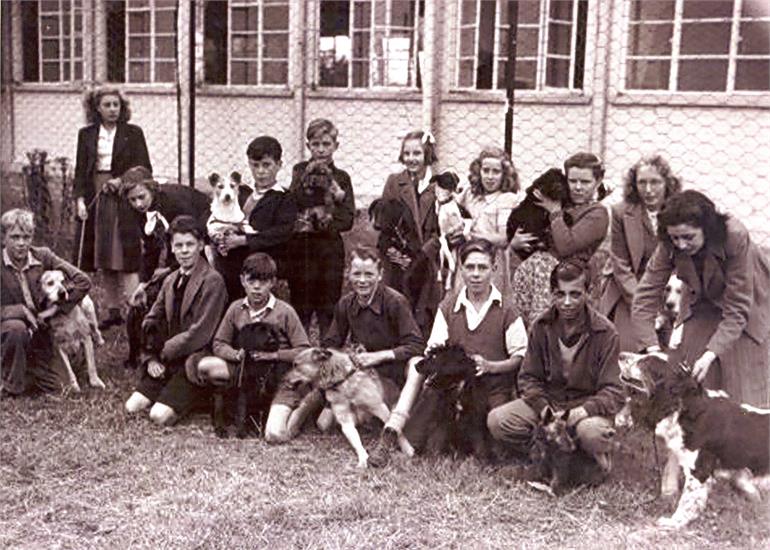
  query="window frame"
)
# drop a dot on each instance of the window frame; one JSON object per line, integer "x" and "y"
{"x": 372, "y": 29}
{"x": 152, "y": 35}
{"x": 540, "y": 58}
{"x": 732, "y": 56}
{"x": 76, "y": 8}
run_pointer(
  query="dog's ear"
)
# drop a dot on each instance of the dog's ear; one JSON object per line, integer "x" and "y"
{"x": 565, "y": 415}
{"x": 374, "y": 209}
{"x": 236, "y": 177}
{"x": 214, "y": 178}
{"x": 547, "y": 415}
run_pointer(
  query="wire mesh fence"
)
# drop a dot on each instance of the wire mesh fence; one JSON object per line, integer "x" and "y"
{"x": 621, "y": 78}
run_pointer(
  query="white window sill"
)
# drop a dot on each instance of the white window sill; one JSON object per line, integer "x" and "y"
{"x": 691, "y": 99}
{"x": 243, "y": 90}
{"x": 383, "y": 94}
{"x": 534, "y": 97}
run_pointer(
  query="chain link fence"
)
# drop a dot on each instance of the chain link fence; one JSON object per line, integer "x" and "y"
{"x": 621, "y": 78}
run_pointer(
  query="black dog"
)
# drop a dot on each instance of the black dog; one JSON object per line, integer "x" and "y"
{"x": 533, "y": 218}
{"x": 558, "y": 457}
{"x": 450, "y": 414}
{"x": 256, "y": 381}
{"x": 398, "y": 230}
{"x": 138, "y": 338}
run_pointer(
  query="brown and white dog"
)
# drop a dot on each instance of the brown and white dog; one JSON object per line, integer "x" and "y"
{"x": 73, "y": 333}
{"x": 352, "y": 392}
{"x": 708, "y": 435}
{"x": 667, "y": 323}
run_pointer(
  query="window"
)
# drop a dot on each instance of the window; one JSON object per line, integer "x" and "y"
{"x": 52, "y": 37}
{"x": 703, "y": 45}
{"x": 550, "y": 44}
{"x": 366, "y": 44}
{"x": 246, "y": 42}
{"x": 141, "y": 40}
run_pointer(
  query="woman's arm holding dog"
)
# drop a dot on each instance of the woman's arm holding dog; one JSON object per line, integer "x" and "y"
{"x": 78, "y": 282}
{"x": 648, "y": 298}
{"x": 590, "y": 229}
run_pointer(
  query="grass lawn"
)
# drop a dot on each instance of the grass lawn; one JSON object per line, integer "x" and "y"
{"x": 76, "y": 472}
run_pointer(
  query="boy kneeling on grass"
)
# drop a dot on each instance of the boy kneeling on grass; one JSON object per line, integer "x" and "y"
{"x": 258, "y": 276}
{"x": 184, "y": 318}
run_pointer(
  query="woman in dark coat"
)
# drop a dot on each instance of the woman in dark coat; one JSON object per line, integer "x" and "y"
{"x": 726, "y": 313}
{"x": 110, "y": 232}
{"x": 633, "y": 240}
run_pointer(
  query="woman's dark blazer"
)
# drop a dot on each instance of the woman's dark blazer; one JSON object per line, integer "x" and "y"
{"x": 129, "y": 149}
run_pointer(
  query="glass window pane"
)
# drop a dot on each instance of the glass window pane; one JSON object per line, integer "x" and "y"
{"x": 557, "y": 73}
{"x": 467, "y": 41}
{"x": 139, "y": 71}
{"x": 705, "y": 38}
{"x": 361, "y": 45}
{"x": 652, "y": 10}
{"x": 139, "y": 47}
{"x": 559, "y": 39}
{"x": 245, "y": 19}
{"x": 362, "y": 15}
{"x": 529, "y": 12}
{"x": 164, "y": 72}
{"x": 402, "y": 13}
{"x": 78, "y": 23}
{"x": 164, "y": 47}
{"x": 702, "y": 75}
{"x": 752, "y": 74}
{"x": 561, "y": 9}
{"x": 335, "y": 52}
{"x": 244, "y": 46}
{"x": 755, "y": 8}
{"x": 49, "y": 26}
{"x": 50, "y": 49}
{"x": 276, "y": 18}
{"x": 138, "y": 3}
{"x": 755, "y": 38}
{"x": 379, "y": 13}
{"x": 360, "y": 74}
{"x": 650, "y": 39}
{"x": 49, "y": 6}
{"x": 165, "y": 3}
{"x": 647, "y": 75}
{"x": 700, "y": 9}
{"x": 139, "y": 22}
{"x": 164, "y": 21}
{"x": 66, "y": 50}
{"x": 244, "y": 72}
{"x": 524, "y": 78}
{"x": 276, "y": 46}
{"x": 335, "y": 18}
{"x": 50, "y": 72}
{"x": 275, "y": 72}
{"x": 78, "y": 70}
{"x": 526, "y": 42}
{"x": 65, "y": 71}
{"x": 465, "y": 73}
{"x": 468, "y": 13}
{"x": 79, "y": 47}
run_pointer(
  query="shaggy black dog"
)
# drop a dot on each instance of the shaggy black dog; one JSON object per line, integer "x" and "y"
{"x": 256, "y": 381}
{"x": 139, "y": 340}
{"x": 316, "y": 198}
{"x": 450, "y": 414}
{"x": 398, "y": 230}
{"x": 533, "y": 218}
{"x": 556, "y": 454}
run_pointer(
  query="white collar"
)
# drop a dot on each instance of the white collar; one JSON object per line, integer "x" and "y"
{"x": 423, "y": 184}
{"x": 257, "y": 313}
{"x": 259, "y": 193}
{"x": 473, "y": 317}
{"x": 31, "y": 261}
{"x": 107, "y": 133}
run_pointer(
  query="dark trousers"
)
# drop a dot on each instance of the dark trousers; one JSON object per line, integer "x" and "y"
{"x": 316, "y": 276}
{"x": 27, "y": 359}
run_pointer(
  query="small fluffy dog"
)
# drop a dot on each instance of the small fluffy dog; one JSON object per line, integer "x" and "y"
{"x": 557, "y": 455}
{"x": 73, "y": 333}
{"x": 533, "y": 218}
{"x": 668, "y": 331}
{"x": 352, "y": 392}
{"x": 256, "y": 381}
{"x": 450, "y": 414}
{"x": 708, "y": 436}
{"x": 226, "y": 215}
{"x": 318, "y": 194}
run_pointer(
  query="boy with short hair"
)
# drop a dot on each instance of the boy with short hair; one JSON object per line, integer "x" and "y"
{"x": 318, "y": 255}
{"x": 271, "y": 211}
{"x": 258, "y": 277}
{"x": 186, "y": 313}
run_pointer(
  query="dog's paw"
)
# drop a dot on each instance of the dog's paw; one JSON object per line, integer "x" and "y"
{"x": 96, "y": 382}
{"x": 363, "y": 462}
{"x": 74, "y": 387}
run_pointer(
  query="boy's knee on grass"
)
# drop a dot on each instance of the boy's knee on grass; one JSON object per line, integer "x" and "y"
{"x": 137, "y": 402}
{"x": 276, "y": 429}
{"x": 213, "y": 370}
{"x": 161, "y": 414}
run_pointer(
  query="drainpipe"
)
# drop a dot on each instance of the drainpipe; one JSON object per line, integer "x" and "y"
{"x": 301, "y": 55}
{"x": 428, "y": 68}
